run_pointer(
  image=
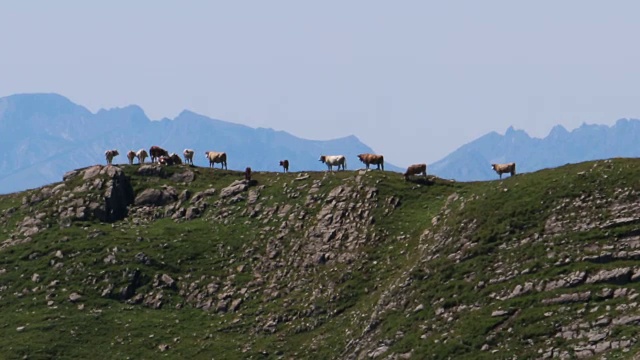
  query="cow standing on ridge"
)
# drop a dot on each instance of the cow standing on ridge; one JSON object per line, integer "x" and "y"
{"x": 188, "y": 156}
{"x": 142, "y": 155}
{"x": 504, "y": 168}
{"x": 285, "y": 165}
{"x": 217, "y": 157}
{"x": 110, "y": 154}
{"x": 130, "y": 156}
{"x": 369, "y": 159}
{"x": 333, "y": 160}
{"x": 156, "y": 152}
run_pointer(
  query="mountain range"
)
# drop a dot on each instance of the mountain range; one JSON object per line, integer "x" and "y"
{"x": 46, "y": 135}
{"x": 472, "y": 161}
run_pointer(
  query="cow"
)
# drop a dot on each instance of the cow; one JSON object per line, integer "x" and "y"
{"x": 110, "y": 154}
{"x": 188, "y": 156}
{"x": 131, "y": 155}
{"x": 504, "y": 168}
{"x": 369, "y": 159}
{"x": 175, "y": 159}
{"x": 156, "y": 152}
{"x": 333, "y": 160}
{"x": 142, "y": 155}
{"x": 217, "y": 157}
{"x": 415, "y": 169}
{"x": 285, "y": 165}
{"x": 164, "y": 160}
{"x": 247, "y": 174}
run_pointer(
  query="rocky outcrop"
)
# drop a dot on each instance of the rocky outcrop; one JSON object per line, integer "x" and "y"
{"x": 156, "y": 197}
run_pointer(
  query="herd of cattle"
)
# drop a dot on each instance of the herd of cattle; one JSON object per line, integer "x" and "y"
{"x": 162, "y": 156}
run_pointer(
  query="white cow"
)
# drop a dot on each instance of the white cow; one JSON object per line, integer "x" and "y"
{"x": 188, "y": 156}
{"x": 141, "y": 155}
{"x": 110, "y": 154}
{"x": 333, "y": 160}
{"x": 217, "y": 157}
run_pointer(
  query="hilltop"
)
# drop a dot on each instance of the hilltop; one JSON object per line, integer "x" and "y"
{"x": 190, "y": 262}
{"x": 44, "y": 135}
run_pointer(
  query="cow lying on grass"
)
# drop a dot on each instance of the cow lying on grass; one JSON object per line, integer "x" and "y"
{"x": 504, "y": 168}
{"x": 369, "y": 159}
{"x": 334, "y": 160}
{"x": 173, "y": 159}
{"x": 415, "y": 170}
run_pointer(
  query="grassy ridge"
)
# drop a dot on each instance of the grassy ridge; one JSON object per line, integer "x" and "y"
{"x": 416, "y": 268}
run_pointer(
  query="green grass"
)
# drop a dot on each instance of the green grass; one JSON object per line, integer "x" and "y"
{"x": 428, "y": 243}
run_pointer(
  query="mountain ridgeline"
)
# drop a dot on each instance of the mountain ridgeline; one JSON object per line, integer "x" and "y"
{"x": 189, "y": 262}
{"x": 45, "y": 135}
{"x": 471, "y": 162}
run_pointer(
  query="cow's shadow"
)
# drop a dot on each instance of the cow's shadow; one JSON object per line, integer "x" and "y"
{"x": 421, "y": 180}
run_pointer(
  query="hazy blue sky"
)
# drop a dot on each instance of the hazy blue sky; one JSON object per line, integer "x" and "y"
{"x": 413, "y": 79}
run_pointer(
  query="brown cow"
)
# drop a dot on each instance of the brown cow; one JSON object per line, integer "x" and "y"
{"x": 175, "y": 158}
{"x": 110, "y": 154}
{"x": 285, "y": 165}
{"x": 247, "y": 174}
{"x": 504, "y": 168}
{"x": 131, "y": 155}
{"x": 156, "y": 152}
{"x": 369, "y": 159}
{"x": 415, "y": 169}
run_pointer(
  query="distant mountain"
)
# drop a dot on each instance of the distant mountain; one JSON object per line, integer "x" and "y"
{"x": 46, "y": 135}
{"x": 588, "y": 142}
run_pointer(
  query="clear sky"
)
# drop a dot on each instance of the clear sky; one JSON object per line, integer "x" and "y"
{"x": 412, "y": 79}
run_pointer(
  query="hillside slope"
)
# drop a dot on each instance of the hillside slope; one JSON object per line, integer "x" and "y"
{"x": 189, "y": 262}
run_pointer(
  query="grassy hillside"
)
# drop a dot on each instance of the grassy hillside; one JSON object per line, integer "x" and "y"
{"x": 350, "y": 264}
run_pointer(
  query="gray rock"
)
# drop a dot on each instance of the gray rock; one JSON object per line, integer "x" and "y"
{"x": 615, "y": 276}
{"x": 498, "y": 313}
{"x": 142, "y": 258}
{"x": 92, "y": 172}
{"x": 156, "y": 197}
{"x": 185, "y": 177}
{"x": 151, "y": 170}
{"x": 235, "y": 188}
{"x": 568, "y": 298}
{"x": 235, "y": 304}
{"x": 379, "y": 351}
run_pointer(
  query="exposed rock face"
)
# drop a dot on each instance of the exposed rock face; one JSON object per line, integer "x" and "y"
{"x": 156, "y": 197}
{"x": 235, "y": 188}
{"x": 117, "y": 194}
{"x": 152, "y": 170}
